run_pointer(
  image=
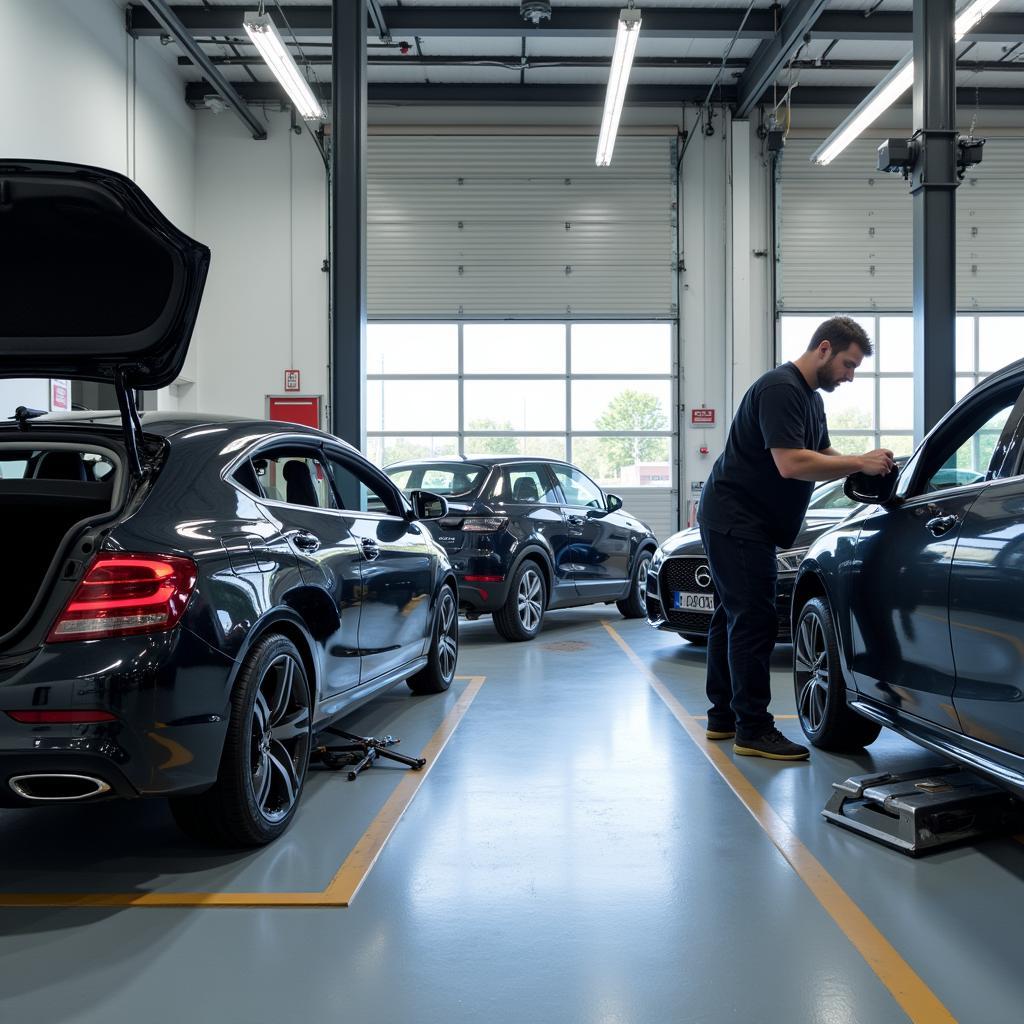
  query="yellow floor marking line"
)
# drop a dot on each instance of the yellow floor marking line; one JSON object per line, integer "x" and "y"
{"x": 918, "y": 1001}
{"x": 343, "y": 886}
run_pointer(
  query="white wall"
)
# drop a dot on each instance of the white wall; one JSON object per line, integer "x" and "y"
{"x": 261, "y": 208}
{"x": 66, "y": 70}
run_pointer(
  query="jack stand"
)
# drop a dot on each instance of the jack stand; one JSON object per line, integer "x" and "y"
{"x": 924, "y": 810}
{"x": 361, "y": 752}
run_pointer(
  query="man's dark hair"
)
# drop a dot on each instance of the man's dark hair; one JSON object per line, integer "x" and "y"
{"x": 842, "y": 332}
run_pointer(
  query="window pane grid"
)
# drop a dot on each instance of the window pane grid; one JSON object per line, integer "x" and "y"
{"x": 618, "y": 382}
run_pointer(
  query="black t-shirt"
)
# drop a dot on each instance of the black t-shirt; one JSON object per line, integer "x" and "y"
{"x": 745, "y": 494}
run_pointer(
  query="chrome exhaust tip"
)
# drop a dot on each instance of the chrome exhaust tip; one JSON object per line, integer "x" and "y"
{"x": 54, "y": 786}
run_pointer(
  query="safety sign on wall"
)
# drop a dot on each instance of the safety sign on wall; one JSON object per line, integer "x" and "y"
{"x": 291, "y": 380}
{"x": 702, "y": 417}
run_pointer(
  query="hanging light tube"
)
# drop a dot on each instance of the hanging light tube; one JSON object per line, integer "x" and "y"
{"x": 267, "y": 40}
{"x": 626, "y": 36}
{"x": 890, "y": 89}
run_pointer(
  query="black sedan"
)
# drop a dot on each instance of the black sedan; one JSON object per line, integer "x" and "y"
{"x": 526, "y": 535}
{"x": 908, "y": 615}
{"x": 188, "y": 599}
{"x": 680, "y": 595}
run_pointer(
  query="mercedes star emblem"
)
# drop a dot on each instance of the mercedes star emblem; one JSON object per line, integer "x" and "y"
{"x": 703, "y": 576}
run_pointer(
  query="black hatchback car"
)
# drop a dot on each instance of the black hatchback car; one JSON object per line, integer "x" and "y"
{"x": 529, "y": 534}
{"x": 187, "y": 598}
{"x": 909, "y": 614}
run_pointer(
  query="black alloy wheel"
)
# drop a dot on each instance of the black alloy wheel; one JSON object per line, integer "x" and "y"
{"x": 522, "y": 614}
{"x": 634, "y": 606}
{"x": 266, "y": 753}
{"x": 443, "y": 659}
{"x": 819, "y": 687}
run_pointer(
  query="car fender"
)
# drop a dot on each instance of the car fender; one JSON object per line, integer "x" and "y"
{"x": 538, "y": 552}
{"x": 815, "y": 580}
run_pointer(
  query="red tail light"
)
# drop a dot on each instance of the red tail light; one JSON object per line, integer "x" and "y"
{"x": 123, "y": 594}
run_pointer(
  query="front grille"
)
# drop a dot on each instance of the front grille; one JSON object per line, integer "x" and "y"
{"x": 679, "y": 574}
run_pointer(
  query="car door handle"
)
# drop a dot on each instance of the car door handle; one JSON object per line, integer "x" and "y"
{"x": 576, "y": 520}
{"x": 370, "y": 549}
{"x": 308, "y": 542}
{"x": 941, "y": 525}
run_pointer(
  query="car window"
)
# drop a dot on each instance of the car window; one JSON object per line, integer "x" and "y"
{"x": 291, "y": 476}
{"x": 579, "y": 489}
{"x": 964, "y": 455}
{"x": 830, "y": 497}
{"x": 528, "y": 484}
{"x": 450, "y": 480}
{"x": 358, "y": 488}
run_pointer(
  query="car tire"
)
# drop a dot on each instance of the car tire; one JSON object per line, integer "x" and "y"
{"x": 635, "y": 605}
{"x": 265, "y": 757}
{"x": 819, "y": 687}
{"x": 437, "y": 675}
{"x": 522, "y": 615}
{"x": 697, "y": 639}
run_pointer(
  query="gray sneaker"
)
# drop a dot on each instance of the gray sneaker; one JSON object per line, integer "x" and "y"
{"x": 772, "y": 745}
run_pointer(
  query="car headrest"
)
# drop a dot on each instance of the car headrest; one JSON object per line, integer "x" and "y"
{"x": 525, "y": 489}
{"x": 299, "y": 487}
{"x": 60, "y": 466}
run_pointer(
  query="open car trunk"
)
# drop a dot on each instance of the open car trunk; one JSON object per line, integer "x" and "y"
{"x": 50, "y": 493}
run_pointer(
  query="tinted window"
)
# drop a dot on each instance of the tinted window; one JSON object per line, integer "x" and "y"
{"x": 291, "y": 476}
{"x": 460, "y": 479}
{"x": 579, "y": 489}
{"x": 528, "y": 485}
{"x": 359, "y": 489}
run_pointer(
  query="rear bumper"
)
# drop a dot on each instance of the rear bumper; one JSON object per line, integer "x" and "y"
{"x": 698, "y": 623}
{"x": 169, "y": 694}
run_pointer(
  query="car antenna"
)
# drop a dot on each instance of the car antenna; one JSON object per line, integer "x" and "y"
{"x": 24, "y": 413}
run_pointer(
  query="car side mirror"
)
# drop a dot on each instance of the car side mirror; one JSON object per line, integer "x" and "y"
{"x": 872, "y": 490}
{"x": 614, "y": 503}
{"x": 426, "y": 505}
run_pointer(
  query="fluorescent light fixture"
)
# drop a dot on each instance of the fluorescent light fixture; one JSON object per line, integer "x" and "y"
{"x": 891, "y": 88}
{"x": 626, "y": 37}
{"x": 265, "y": 37}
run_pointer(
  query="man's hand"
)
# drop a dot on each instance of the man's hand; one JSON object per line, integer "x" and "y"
{"x": 877, "y": 463}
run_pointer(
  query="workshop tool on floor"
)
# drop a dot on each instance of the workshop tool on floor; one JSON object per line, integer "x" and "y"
{"x": 916, "y": 812}
{"x": 360, "y": 752}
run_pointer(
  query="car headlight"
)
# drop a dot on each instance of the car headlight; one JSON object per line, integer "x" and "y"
{"x": 789, "y": 561}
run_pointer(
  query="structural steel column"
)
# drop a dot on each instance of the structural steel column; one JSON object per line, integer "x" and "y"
{"x": 933, "y": 186}
{"x": 348, "y": 222}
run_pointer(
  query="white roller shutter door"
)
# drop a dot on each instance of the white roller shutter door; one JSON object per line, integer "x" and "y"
{"x": 845, "y": 239}
{"x": 528, "y": 226}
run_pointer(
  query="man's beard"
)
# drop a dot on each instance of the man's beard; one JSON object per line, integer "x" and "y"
{"x": 826, "y": 382}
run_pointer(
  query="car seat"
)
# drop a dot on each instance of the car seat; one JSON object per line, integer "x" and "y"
{"x": 525, "y": 489}
{"x": 58, "y": 465}
{"x": 299, "y": 487}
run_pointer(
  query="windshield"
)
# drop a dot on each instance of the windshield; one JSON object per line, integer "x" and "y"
{"x": 454, "y": 480}
{"x": 830, "y": 497}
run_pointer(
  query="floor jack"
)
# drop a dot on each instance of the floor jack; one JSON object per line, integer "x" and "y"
{"x": 916, "y": 812}
{"x": 360, "y": 752}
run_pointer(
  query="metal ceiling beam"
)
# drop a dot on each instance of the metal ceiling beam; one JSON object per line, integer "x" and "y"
{"x": 162, "y": 12}
{"x": 582, "y": 95}
{"x": 311, "y": 21}
{"x": 798, "y": 18}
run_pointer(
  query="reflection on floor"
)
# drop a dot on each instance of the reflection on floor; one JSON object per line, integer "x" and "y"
{"x": 573, "y": 857}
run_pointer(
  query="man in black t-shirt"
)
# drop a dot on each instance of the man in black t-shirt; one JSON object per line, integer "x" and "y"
{"x": 754, "y": 502}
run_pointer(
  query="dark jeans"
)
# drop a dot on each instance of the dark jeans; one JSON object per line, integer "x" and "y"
{"x": 742, "y": 634}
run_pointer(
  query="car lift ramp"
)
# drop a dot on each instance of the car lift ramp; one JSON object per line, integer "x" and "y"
{"x": 916, "y": 812}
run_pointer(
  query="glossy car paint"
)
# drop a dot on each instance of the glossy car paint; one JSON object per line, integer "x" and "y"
{"x": 359, "y": 627}
{"x": 931, "y": 630}
{"x": 587, "y": 555}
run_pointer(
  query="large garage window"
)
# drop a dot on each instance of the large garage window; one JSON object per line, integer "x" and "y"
{"x": 876, "y": 410}
{"x": 599, "y": 394}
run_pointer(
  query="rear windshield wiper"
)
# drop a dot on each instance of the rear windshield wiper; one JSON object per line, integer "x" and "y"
{"x": 24, "y": 413}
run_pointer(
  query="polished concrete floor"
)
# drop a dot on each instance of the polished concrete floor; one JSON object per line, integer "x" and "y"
{"x": 572, "y": 856}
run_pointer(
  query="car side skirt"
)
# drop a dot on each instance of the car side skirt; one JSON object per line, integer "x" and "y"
{"x": 999, "y": 765}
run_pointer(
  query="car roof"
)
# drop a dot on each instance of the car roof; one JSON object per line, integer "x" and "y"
{"x": 482, "y": 460}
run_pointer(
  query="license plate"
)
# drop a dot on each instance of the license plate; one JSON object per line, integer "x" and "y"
{"x": 693, "y": 602}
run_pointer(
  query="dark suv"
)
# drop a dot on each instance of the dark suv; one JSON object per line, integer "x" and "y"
{"x": 909, "y": 615}
{"x": 187, "y": 598}
{"x": 525, "y": 535}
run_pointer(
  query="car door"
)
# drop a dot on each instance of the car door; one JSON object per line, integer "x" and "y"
{"x": 299, "y": 500}
{"x": 600, "y": 542}
{"x": 398, "y": 565}
{"x": 902, "y": 654}
{"x": 528, "y": 494}
{"x": 985, "y": 608}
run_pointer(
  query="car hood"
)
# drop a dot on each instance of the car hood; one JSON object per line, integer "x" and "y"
{"x": 95, "y": 283}
{"x": 688, "y": 542}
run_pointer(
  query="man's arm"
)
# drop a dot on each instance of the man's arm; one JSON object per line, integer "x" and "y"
{"x": 815, "y": 467}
